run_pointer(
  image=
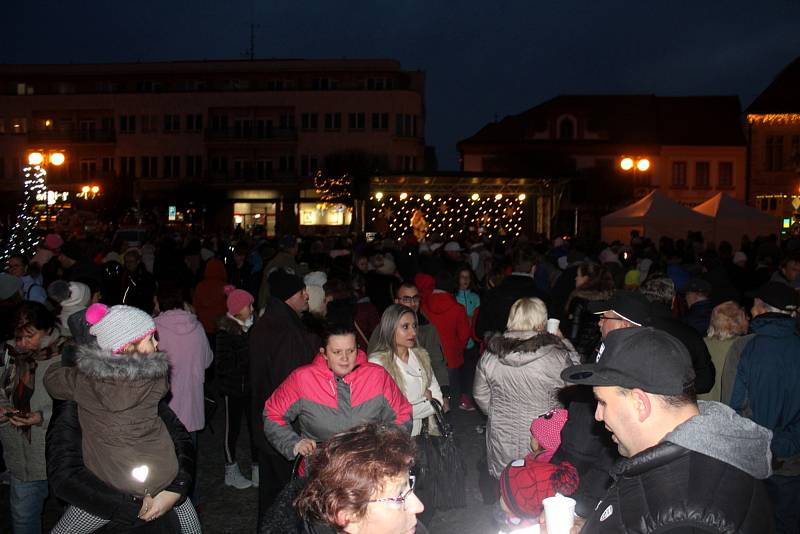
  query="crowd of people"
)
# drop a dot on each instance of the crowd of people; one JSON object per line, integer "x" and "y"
{"x": 653, "y": 382}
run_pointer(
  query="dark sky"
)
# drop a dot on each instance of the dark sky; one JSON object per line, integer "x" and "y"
{"x": 482, "y": 58}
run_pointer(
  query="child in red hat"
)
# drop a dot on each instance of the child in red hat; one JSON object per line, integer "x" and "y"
{"x": 525, "y": 483}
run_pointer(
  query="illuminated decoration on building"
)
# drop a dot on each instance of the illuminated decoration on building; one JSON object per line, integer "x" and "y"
{"x": 331, "y": 189}
{"x": 450, "y": 216}
{"x": 774, "y": 118}
{"x": 23, "y": 239}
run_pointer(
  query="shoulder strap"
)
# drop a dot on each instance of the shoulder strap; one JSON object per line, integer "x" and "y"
{"x": 361, "y": 333}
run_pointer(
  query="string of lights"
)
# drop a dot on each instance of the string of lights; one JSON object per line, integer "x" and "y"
{"x": 449, "y": 216}
{"x": 330, "y": 188}
{"x": 23, "y": 239}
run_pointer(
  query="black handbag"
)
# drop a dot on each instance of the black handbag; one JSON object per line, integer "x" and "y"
{"x": 439, "y": 466}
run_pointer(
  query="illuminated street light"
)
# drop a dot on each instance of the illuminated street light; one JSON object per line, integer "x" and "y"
{"x": 643, "y": 164}
{"x": 85, "y": 189}
{"x": 57, "y": 158}
{"x": 403, "y": 196}
{"x": 95, "y": 189}
{"x": 35, "y": 158}
{"x": 521, "y": 197}
{"x": 626, "y": 164}
{"x": 379, "y": 195}
{"x": 427, "y": 197}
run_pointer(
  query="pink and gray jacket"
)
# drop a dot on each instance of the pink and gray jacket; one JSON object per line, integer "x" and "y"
{"x": 324, "y": 404}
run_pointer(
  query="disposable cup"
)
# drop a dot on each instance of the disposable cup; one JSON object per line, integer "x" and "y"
{"x": 552, "y": 325}
{"x": 559, "y": 512}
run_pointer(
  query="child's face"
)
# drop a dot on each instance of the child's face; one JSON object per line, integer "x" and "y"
{"x": 147, "y": 346}
{"x": 534, "y": 444}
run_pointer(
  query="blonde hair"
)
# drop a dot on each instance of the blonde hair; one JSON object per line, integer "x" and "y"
{"x": 527, "y": 314}
{"x": 727, "y": 321}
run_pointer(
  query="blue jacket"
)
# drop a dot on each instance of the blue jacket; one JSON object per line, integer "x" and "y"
{"x": 767, "y": 381}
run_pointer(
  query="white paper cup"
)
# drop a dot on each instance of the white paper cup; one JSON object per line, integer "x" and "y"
{"x": 559, "y": 514}
{"x": 552, "y": 325}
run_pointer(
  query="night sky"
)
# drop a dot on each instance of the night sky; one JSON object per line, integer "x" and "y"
{"x": 483, "y": 59}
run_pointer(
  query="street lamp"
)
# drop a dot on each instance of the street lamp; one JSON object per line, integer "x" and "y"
{"x": 634, "y": 165}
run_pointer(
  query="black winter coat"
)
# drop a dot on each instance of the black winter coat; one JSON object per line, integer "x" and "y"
{"x": 581, "y": 325}
{"x": 279, "y": 344}
{"x": 498, "y": 301}
{"x": 75, "y": 484}
{"x": 232, "y": 358}
{"x": 669, "y": 489}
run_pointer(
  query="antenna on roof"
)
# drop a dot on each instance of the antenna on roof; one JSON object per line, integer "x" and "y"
{"x": 251, "y": 51}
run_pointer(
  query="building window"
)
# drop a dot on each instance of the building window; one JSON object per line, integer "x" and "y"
{"x": 127, "y": 166}
{"x": 287, "y": 121}
{"x": 172, "y": 123}
{"x": 24, "y": 89}
{"x": 702, "y": 178}
{"x": 380, "y": 121}
{"x": 263, "y": 128}
{"x": 194, "y": 122}
{"x": 378, "y": 84}
{"x": 88, "y": 169}
{"x": 19, "y": 125}
{"x": 309, "y": 121}
{"x": 241, "y": 169}
{"x": 219, "y": 165}
{"x": 725, "y": 171}
{"x": 406, "y": 125}
{"x": 678, "y": 174}
{"x": 219, "y": 123}
{"x": 149, "y": 86}
{"x": 172, "y": 166}
{"x": 149, "y": 166}
{"x": 264, "y": 168}
{"x": 309, "y": 165}
{"x": 774, "y": 153}
{"x": 795, "y": 152}
{"x": 275, "y": 85}
{"x": 108, "y": 165}
{"x": 2, "y": 168}
{"x": 243, "y": 128}
{"x": 194, "y": 166}
{"x": 286, "y": 164}
{"x": 566, "y": 128}
{"x": 149, "y": 123}
{"x": 356, "y": 121}
{"x": 127, "y": 124}
{"x": 773, "y": 204}
{"x": 322, "y": 84}
{"x": 333, "y": 121}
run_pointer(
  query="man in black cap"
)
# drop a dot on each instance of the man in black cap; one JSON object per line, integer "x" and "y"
{"x": 279, "y": 344}
{"x": 687, "y": 467}
{"x": 767, "y": 389}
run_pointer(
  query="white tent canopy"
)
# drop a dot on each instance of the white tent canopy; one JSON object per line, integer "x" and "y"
{"x": 654, "y": 216}
{"x": 733, "y": 219}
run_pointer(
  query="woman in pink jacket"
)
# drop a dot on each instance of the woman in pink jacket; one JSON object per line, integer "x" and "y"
{"x": 181, "y": 336}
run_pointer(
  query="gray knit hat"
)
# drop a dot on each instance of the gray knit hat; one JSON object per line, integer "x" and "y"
{"x": 118, "y": 326}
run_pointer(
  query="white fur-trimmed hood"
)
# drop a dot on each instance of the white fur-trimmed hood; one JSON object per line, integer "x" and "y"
{"x": 98, "y": 363}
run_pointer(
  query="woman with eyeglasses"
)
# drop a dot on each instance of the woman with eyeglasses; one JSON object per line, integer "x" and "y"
{"x": 358, "y": 483}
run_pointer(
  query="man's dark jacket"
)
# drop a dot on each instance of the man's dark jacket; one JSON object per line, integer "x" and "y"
{"x": 495, "y": 307}
{"x": 670, "y": 489}
{"x": 699, "y": 316}
{"x": 279, "y": 344}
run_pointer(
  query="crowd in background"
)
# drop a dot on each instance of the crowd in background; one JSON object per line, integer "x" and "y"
{"x": 461, "y": 323}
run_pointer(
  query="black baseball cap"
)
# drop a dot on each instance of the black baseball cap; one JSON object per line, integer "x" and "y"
{"x": 638, "y": 357}
{"x": 777, "y": 295}
{"x": 629, "y": 305}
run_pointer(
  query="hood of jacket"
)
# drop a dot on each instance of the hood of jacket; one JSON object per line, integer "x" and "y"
{"x": 592, "y": 294}
{"x": 774, "y": 325}
{"x": 440, "y": 303}
{"x": 122, "y": 381}
{"x": 520, "y": 348}
{"x": 425, "y": 284}
{"x": 719, "y": 432}
{"x": 176, "y": 321}
{"x": 215, "y": 270}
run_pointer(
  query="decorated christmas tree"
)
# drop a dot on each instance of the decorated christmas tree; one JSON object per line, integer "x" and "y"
{"x": 23, "y": 238}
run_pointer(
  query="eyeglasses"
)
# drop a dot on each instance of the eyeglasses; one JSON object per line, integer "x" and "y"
{"x": 399, "y": 502}
{"x": 409, "y": 300}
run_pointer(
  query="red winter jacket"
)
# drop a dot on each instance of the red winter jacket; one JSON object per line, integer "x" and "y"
{"x": 451, "y": 322}
{"x": 324, "y": 404}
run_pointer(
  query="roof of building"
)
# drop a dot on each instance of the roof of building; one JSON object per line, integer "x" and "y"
{"x": 626, "y": 119}
{"x": 782, "y": 95}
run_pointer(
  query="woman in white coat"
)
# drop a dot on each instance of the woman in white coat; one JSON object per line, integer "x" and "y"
{"x": 407, "y": 363}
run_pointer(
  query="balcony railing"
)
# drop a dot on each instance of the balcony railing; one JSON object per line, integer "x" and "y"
{"x": 72, "y": 136}
{"x": 252, "y": 135}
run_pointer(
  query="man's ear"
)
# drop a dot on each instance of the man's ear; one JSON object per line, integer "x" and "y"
{"x": 642, "y": 404}
{"x": 345, "y": 519}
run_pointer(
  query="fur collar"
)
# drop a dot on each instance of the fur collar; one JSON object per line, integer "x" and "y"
{"x": 513, "y": 342}
{"x": 104, "y": 364}
{"x": 230, "y": 326}
{"x": 592, "y": 294}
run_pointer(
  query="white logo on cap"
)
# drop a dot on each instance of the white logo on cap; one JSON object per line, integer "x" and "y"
{"x": 607, "y": 512}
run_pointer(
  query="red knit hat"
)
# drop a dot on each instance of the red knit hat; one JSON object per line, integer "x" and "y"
{"x": 238, "y": 299}
{"x": 524, "y": 484}
{"x": 547, "y": 431}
